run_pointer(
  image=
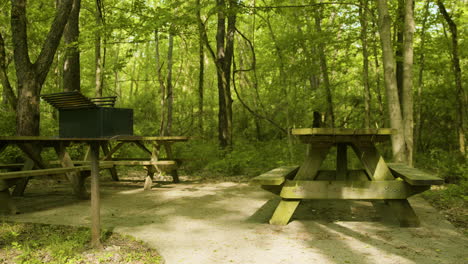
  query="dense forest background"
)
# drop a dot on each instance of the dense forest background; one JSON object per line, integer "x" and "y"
{"x": 238, "y": 75}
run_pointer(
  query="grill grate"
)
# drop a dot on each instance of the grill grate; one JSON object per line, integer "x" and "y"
{"x": 75, "y": 100}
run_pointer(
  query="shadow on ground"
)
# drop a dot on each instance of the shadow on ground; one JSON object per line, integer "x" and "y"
{"x": 228, "y": 223}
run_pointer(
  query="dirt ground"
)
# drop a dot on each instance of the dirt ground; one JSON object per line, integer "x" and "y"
{"x": 227, "y": 222}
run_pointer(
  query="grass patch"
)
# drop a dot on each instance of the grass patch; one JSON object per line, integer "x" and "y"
{"x": 41, "y": 243}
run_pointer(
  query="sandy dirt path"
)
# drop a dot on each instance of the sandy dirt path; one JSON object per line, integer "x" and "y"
{"x": 212, "y": 223}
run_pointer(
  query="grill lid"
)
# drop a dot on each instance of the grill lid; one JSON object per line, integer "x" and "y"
{"x": 75, "y": 100}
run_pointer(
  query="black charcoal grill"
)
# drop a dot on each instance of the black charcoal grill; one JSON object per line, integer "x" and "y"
{"x": 83, "y": 117}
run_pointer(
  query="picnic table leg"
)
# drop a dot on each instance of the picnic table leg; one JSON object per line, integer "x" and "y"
{"x": 32, "y": 152}
{"x": 341, "y": 162}
{"x": 7, "y": 202}
{"x": 106, "y": 151}
{"x": 5, "y": 197}
{"x": 308, "y": 171}
{"x": 95, "y": 198}
{"x": 153, "y": 168}
{"x": 3, "y": 146}
{"x": 174, "y": 173}
{"x": 284, "y": 212}
{"x": 75, "y": 177}
{"x": 315, "y": 156}
{"x": 378, "y": 170}
{"x": 404, "y": 212}
{"x": 372, "y": 162}
{"x": 21, "y": 184}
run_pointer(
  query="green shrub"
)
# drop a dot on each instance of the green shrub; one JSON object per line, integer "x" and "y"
{"x": 450, "y": 166}
{"x": 247, "y": 157}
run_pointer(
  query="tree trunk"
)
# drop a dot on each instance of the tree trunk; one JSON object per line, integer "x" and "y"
{"x": 117, "y": 86}
{"x": 377, "y": 76}
{"x": 460, "y": 93}
{"x": 225, "y": 49}
{"x": 162, "y": 86}
{"x": 201, "y": 72}
{"x": 170, "y": 96}
{"x": 396, "y": 122}
{"x": 365, "y": 62}
{"x": 323, "y": 65}
{"x": 221, "y": 75}
{"x": 231, "y": 30}
{"x": 31, "y": 76}
{"x": 98, "y": 60}
{"x": 407, "y": 93}
{"x": 418, "y": 121}
{"x": 71, "y": 64}
{"x": 399, "y": 32}
{"x": 9, "y": 96}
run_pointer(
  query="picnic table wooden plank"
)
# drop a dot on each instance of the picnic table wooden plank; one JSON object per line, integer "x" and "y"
{"x": 342, "y": 131}
{"x": 276, "y": 176}
{"x": 341, "y": 161}
{"x": 76, "y": 179}
{"x": 84, "y": 140}
{"x": 150, "y": 138}
{"x": 11, "y": 166}
{"x": 367, "y": 190}
{"x": 22, "y": 183}
{"x": 319, "y": 139}
{"x": 174, "y": 173}
{"x": 46, "y": 139}
{"x": 414, "y": 176}
{"x": 112, "y": 151}
{"x": 372, "y": 161}
{"x": 140, "y": 162}
{"x": 105, "y": 146}
{"x": 42, "y": 172}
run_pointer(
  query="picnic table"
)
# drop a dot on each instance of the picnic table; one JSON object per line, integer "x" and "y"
{"x": 35, "y": 165}
{"x": 376, "y": 181}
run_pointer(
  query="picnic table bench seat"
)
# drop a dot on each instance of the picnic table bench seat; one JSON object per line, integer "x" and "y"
{"x": 5, "y": 177}
{"x": 42, "y": 172}
{"x": 11, "y": 166}
{"x": 107, "y": 164}
{"x": 414, "y": 176}
{"x": 276, "y": 176}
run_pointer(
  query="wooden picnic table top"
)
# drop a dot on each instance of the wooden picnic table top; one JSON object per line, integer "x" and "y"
{"x": 114, "y": 138}
{"x": 342, "y": 132}
{"x": 342, "y": 135}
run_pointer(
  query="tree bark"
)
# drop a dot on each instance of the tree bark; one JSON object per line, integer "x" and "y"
{"x": 117, "y": 86}
{"x": 396, "y": 122}
{"x": 225, "y": 49}
{"x": 31, "y": 76}
{"x": 201, "y": 67}
{"x": 323, "y": 65}
{"x": 407, "y": 93}
{"x": 418, "y": 121}
{"x": 378, "y": 91}
{"x": 170, "y": 95}
{"x": 98, "y": 59}
{"x": 399, "y": 32}
{"x": 8, "y": 95}
{"x": 71, "y": 64}
{"x": 365, "y": 62}
{"x": 460, "y": 93}
{"x": 162, "y": 86}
